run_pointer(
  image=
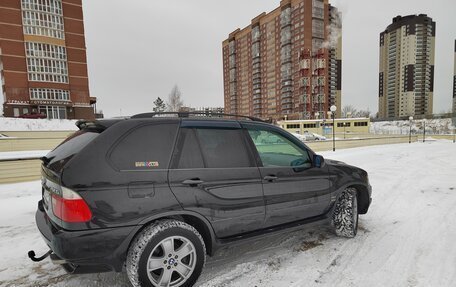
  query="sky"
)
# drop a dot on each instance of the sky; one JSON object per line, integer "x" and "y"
{"x": 139, "y": 49}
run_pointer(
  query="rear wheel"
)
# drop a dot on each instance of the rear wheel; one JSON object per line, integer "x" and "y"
{"x": 168, "y": 253}
{"x": 345, "y": 216}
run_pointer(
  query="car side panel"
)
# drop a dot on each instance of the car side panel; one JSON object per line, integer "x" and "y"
{"x": 116, "y": 198}
{"x": 231, "y": 199}
{"x": 295, "y": 195}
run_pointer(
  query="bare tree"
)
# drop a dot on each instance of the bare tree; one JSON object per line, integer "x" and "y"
{"x": 175, "y": 100}
{"x": 363, "y": 113}
{"x": 349, "y": 111}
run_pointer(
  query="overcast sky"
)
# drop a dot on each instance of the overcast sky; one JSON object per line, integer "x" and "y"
{"x": 138, "y": 49}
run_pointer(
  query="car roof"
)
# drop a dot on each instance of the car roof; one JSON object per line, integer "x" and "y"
{"x": 106, "y": 123}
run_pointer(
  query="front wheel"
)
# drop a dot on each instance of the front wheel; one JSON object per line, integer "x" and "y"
{"x": 168, "y": 253}
{"x": 345, "y": 215}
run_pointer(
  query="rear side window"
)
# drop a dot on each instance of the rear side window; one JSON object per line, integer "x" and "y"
{"x": 187, "y": 153}
{"x": 58, "y": 157}
{"x": 148, "y": 147}
{"x": 224, "y": 148}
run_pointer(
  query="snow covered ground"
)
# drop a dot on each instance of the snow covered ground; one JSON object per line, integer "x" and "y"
{"x": 407, "y": 238}
{"x": 434, "y": 126}
{"x": 15, "y": 124}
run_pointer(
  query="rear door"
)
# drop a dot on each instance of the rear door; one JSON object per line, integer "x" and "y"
{"x": 214, "y": 174}
{"x": 293, "y": 188}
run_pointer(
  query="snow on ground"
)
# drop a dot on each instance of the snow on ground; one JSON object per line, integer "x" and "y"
{"x": 15, "y": 124}
{"x": 23, "y": 154}
{"x": 406, "y": 239}
{"x": 434, "y": 126}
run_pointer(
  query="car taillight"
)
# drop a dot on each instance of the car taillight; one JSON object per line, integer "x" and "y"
{"x": 70, "y": 207}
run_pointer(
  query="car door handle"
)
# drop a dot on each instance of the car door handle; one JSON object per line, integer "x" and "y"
{"x": 270, "y": 178}
{"x": 193, "y": 182}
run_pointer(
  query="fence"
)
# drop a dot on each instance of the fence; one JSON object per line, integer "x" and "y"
{"x": 17, "y": 170}
{"x": 23, "y": 141}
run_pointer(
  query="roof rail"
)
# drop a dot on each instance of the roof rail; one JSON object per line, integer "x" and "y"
{"x": 188, "y": 114}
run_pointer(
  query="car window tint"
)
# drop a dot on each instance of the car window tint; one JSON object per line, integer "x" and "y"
{"x": 148, "y": 147}
{"x": 224, "y": 148}
{"x": 187, "y": 153}
{"x": 276, "y": 150}
{"x": 68, "y": 148}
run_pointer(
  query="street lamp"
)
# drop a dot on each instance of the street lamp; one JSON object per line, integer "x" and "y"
{"x": 333, "y": 110}
{"x": 424, "y": 130}
{"x": 345, "y": 124}
{"x": 410, "y": 133}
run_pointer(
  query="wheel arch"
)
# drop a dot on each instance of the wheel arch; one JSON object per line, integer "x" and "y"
{"x": 196, "y": 220}
{"x": 362, "y": 197}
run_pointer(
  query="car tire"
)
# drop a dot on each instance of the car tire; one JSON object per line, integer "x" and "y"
{"x": 345, "y": 215}
{"x": 153, "y": 257}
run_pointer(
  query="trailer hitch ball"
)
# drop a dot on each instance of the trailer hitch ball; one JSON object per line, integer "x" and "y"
{"x": 31, "y": 255}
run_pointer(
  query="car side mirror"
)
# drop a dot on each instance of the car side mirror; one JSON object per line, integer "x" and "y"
{"x": 319, "y": 161}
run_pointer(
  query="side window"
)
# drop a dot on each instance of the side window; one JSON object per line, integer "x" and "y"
{"x": 224, "y": 148}
{"x": 277, "y": 151}
{"x": 187, "y": 153}
{"x": 148, "y": 147}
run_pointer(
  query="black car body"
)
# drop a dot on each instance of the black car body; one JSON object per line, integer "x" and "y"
{"x": 217, "y": 175}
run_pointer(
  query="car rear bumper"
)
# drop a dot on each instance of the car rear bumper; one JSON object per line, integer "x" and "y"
{"x": 86, "y": 251}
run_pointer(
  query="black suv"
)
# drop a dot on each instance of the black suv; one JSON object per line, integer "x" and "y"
{"x": 156, "y": 193}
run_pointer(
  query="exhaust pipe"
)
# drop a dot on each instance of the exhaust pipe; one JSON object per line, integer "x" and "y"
{"x": 31, "y": 255}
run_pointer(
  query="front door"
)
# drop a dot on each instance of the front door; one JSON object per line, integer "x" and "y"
{"x": 213, "y": 173}
{"x": 293, "y": 188}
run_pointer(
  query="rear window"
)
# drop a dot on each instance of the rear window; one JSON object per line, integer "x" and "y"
{"x": 58, "y": 157}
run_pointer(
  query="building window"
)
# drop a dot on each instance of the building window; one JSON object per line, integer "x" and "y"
{"x": 53, "y": 112}
{"x": 293, "y": 126}
{"x": 43, "y": 18}
{"x": 360, "y": 124}
{"x": 46, "y": 63}
{"x": 310, "y": 126}
{"x": 318, "y": 28}
{"x": 49, "y": 94}
{"x": 16, "y": 112}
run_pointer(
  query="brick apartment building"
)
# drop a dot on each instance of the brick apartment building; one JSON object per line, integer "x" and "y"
{"x": 406, "y": 76}
{"x": 286, "y": 63}
{"x": 43, "y": 59}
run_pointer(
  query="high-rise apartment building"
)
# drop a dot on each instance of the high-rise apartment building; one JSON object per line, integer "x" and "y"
{"x": 454, "y": 80}
{"x": 43, "y": 59}
{"x": 406, "y": 79}
{"x": 286, "y": 63}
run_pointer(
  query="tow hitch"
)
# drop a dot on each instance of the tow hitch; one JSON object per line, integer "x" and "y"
{"x": 31, "y": 255}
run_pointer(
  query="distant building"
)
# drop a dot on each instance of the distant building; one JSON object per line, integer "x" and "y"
{"x": 454, "y": 80}
{"x": 43, "y": 62}
{"x": 285, "y": 63}
{"x": 324, "y": 127}
{"x": 406, "y": 78}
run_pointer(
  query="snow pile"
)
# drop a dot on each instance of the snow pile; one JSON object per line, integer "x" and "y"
{"x": 434, "y": 126}
{"x": 15, "y": 124}
{"x": 406, "y": 239}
